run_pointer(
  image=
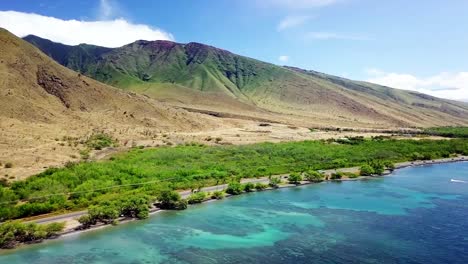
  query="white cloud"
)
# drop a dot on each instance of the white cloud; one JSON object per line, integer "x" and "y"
{"x": 109, "y": 33}
{"x": 283, "y": 58}
{"x": 292, "y": 21}
{"x": 297, "y": 4}
{"x": 334, "y": 36}
{"x": 109, "y": 9}
{"x": 445, "y": 85}
{"x": 106, "y": 10}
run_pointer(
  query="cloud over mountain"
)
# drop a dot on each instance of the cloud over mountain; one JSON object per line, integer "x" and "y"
{"x": 108, "y": 33}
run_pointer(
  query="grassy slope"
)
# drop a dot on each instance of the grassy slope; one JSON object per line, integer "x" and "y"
{"x": 156, "y": 67}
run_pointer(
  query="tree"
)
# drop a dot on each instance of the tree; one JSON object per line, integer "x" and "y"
{"x": 295, "y": 178}
{"x": 249, "y": 187}
{"x": 135, "y": 206}
{"x": 235, "y": 188}
{"x": 12, "y": 233}
{"x": 198, "y": 197}
{"x": 53, "y": 229}
{"x": 218, "y": 195}
{"x": 260, "y": 186}
{"x": 367, "y": 170}
{"x": 106, "y": 213}
{"x": 171, "y": 200}
{"x": 314, "y": 176}
{"x": 378, "y": 167}
{"x": 336, "y": 176}
{"x": 86, "y": 221}
{"x": 274, "y": 182}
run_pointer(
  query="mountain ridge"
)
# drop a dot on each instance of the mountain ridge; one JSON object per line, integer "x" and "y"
{"x": 200, "y": 75}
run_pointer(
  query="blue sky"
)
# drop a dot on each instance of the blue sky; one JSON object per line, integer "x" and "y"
{"x": 418, "y": 45}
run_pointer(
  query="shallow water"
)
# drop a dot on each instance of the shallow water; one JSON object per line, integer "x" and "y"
{"x": 417, "y": 215}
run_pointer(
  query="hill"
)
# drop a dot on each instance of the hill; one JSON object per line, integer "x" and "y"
{"x": 201, "y": 77}
{"x": 47, "y": 111}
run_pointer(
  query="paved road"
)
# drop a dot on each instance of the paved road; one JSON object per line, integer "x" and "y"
{"x": 60, "y": 218}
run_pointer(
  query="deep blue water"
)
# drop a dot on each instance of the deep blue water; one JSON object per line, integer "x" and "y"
{"x": 417, "y": 215}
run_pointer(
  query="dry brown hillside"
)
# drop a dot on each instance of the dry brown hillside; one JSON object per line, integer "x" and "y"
{"x": 43, "y": 105}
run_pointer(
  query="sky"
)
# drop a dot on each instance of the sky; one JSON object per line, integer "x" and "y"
{"x": 419, "y": 45}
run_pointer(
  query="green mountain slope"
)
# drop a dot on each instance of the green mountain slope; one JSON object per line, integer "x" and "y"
{"x": 194, "y": 75}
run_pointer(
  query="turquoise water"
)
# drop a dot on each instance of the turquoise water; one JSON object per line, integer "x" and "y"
{"x": 417, "y": 215}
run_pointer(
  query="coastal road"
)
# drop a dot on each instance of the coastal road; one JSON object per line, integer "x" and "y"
{"x": 185, "y": 194}
{"x": 60, "y": 218}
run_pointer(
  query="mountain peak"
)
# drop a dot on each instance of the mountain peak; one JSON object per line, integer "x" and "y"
{"x": 193, "y": 73}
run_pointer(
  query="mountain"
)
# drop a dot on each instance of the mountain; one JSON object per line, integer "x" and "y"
{"x": 42, "y": 102}
{"x": 201, "y": 77}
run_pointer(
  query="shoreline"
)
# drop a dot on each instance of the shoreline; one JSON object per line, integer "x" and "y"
{"x": 154, "y": 211}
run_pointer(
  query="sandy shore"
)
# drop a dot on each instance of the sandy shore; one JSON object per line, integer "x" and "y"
{"x": 71, "y": 228}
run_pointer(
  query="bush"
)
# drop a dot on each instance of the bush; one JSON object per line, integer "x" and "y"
{"x": 336, "y": 176}
{"x": 99, "y": 141}
{"x": 390, "y": 165}
{"x": 260, "y": 186}
{"x": 198, "y": 197}
{"x": 235, "y": 188}
{"x": 274, "y": 182}
{"x": 87, "y": 221}
{"x": 314, "y": 176}
{"x": 181, "y": 205}
{"x": 13, "y": 233}
{"x": 218, "y": 195}
{"x": 53, "y": 229}
{"x": 295, "y": 178}
{"x": 249, "y": 187}
{"x": 378, "y": 167}
{"x": 84, "y": 153}
{"x": 8, "y": 165}
{"x": 171, "y": 200}
{"x": 367, "y": 170}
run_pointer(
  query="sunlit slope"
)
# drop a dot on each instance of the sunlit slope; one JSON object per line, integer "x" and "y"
{"x": 201, "y": 76}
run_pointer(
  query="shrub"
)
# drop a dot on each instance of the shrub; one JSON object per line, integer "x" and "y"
{"x": 274, "y": 182}
{"x": 314, "y": 176}
{"x": 99, "y": 141}
{"x": 249, "y": 187}
{"x": 86, "y": 221}
{"x": 84, "y": 153}
{"x": 53, "y": 229}
{"x": 181, "y": 205}
{"x": 218, "y": 195}
{"x": 378, "y": 167}
{"x": 13, "y": 233}
{"x": 295, "y": 178}
{"x": 416, "y": 156}
{"x": 170, "y": 200}
{"x": 235, "y": 188}
{"x": 198, "y": 197}
{"x": 260, "y": 186}
{"x": 390, "y": 165}
{"x": 367, "y": 170}
{"x": 8, "y": 165}
{"x": 336, "y": 176}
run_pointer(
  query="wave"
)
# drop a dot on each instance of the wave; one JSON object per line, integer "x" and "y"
{"x": 460, "y": 181}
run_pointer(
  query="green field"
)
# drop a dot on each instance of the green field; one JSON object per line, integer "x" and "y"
{"x": 453, "y": 132}
{"x": 78, "y": 186}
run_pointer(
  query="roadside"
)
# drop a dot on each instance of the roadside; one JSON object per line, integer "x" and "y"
{"x": 71, "y": 218}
